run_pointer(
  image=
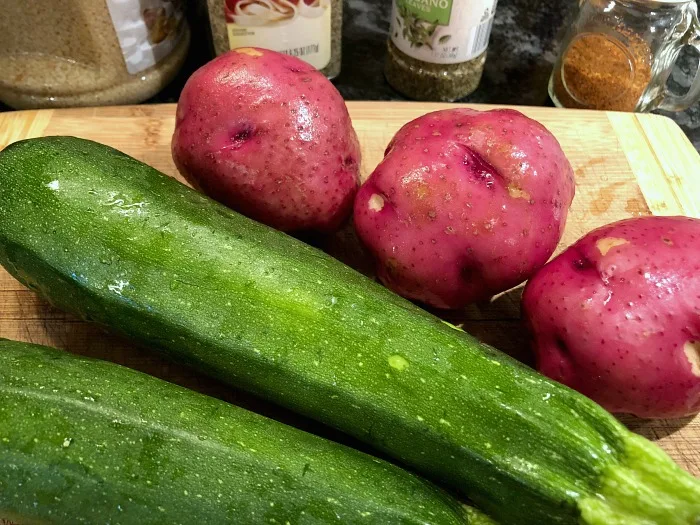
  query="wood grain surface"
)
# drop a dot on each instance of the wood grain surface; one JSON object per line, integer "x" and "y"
{"x": 626, "y": 165}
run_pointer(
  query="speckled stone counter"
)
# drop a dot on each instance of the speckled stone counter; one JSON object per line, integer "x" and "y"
{"x": 522, "y": 51}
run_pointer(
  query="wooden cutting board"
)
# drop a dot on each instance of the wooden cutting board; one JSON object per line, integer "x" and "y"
{"x": 626, "y": 165}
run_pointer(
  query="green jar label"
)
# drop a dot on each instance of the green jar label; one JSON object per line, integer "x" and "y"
{"x": 437, "y": 11}
{"x": 442, "y": 31}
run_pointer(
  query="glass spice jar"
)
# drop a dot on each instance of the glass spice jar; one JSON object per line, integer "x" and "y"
{"x": 88, "y": 52}
{"x": 618, "y": 54}
{"x": 308, "y": 29}
{"x": 437, "y": 48}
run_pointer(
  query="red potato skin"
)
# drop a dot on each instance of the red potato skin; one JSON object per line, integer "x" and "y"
{"x": 617, "y": 316}
{"x": 269, "y": 136}
{"x": 472, "y": 203}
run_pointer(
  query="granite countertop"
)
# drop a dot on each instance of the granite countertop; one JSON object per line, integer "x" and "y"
{"x": 521, "y": 55}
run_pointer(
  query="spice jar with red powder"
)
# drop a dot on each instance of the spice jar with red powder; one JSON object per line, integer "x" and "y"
{"x": 617, "y": 55}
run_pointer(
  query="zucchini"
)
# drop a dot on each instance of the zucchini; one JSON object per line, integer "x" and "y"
{"x": 87, "y": 441}
{"x": 104, "y": 236}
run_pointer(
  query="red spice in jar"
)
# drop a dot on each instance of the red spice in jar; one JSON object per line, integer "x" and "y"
{"x": 599, "y": 71}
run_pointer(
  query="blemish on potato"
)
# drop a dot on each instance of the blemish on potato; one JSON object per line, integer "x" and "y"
{"x": 180, "y": 112}
{"x": 692, "y": 353}
{"x": 517, "y": 193}
{"x": 606, "y": 244}
{"x": 667, "y": 241}
{"x": 252, "y": 52}
{"x": 376, "y": 202}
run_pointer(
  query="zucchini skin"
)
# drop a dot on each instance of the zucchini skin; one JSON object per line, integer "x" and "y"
{"x": 87, "y": 441}
{"x": 104, "y": 236}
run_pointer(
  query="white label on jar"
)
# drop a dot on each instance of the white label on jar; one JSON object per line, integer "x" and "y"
{"x": 147, "y": 30}
{"x": 301, "y": 28}
{"x": 442, "y": 31}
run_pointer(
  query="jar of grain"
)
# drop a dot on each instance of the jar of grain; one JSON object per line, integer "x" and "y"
{"x": 437, "y": 48}
{"x": 308, "y": 29}
{"x": 89, "y": 52}
{"x": 618, "y": 54}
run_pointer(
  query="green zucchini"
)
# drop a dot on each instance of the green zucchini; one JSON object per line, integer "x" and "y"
{"x": 104, "y": 236}
{"x": 87, "y": 441}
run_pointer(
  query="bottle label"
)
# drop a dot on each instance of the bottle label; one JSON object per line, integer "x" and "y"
{"x": 442, "y": 31}
{"x": 301, "y": 28}
{"x": 147, "y": 30}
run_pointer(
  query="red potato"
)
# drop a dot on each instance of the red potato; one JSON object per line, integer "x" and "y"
{"x": 617, "y": 316}
{"x": 465, "y": 204}
{"x": 269, "y": 136}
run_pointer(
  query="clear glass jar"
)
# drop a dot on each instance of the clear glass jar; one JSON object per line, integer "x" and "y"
{"x": 89, "y": 52}
{"x": 618, "y": 54}
{"x": 308, "y": 29}
{"x": 437, "y": 49}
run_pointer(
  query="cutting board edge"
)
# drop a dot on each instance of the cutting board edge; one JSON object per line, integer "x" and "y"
{"x": 668, "y": 182}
